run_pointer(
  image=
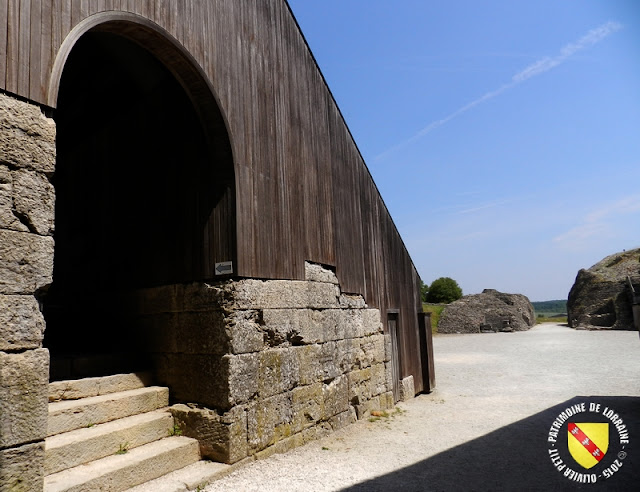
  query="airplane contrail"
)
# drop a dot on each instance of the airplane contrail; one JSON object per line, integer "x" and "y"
{"x": 539, "y": 67}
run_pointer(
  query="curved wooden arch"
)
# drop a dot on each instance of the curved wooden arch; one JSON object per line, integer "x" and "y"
{"x": 170, "y": 52}
{"x": 196, "y": 85}
{"x": 150, "y": 35}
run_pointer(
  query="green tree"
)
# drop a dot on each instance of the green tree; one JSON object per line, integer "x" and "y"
{"x": 444, "y": 290}
{"x": 424, "y": 288}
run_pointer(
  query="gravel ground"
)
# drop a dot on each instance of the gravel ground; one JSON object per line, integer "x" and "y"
{"x": 484, "y": 428}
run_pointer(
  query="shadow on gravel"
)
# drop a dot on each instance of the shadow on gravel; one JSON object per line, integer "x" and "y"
{"x": 516, "y": 457}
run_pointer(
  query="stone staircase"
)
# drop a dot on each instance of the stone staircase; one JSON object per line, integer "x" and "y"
{"x": 114, "y": 433}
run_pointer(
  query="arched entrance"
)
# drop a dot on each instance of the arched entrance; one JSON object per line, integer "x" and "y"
{"x": 144, "y": 192}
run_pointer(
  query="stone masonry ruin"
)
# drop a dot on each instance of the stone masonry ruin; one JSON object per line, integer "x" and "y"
{"x": 602, "y": 296}
{"x": 27, "y": 161}
{"x": 489, "y": 311}
{"x": 280, "y": 362}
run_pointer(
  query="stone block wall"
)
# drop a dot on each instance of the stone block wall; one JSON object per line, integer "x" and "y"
{"x": 27, "y": 161}
{"x": 264, "y": 366}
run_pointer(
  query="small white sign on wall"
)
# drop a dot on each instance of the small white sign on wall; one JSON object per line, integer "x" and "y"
{"x": 224, "y": 268}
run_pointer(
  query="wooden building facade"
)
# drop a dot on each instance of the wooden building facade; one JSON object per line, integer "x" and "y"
{"x": 260, "y": 169}
{"x": 289, "y": 182}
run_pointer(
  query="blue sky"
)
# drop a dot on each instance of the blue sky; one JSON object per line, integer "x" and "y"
{"x": 503, "y": 135}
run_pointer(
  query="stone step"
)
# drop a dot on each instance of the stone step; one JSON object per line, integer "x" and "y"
{"x": 81, "y": 446}
{"x": 68, "y": 415}
{"x": 192, "y": 477}
{"x": 85, "y": 388}
{"x": 120, "y": 472}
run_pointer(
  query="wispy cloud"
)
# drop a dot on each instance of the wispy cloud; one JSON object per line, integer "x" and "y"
{"x": 582, "y": 233}
{"x": 539, "y": 67}
{"x": 597, "y": 222}
{"x": 545, "y": 64}
{"x": 624, "y": 206}
{"x": 482, "y": 206}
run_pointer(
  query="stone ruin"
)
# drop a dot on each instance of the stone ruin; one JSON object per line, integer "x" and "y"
{"x": 490, "y": 311}
{"x": 282, "y": 363}
{"x": 602, "y": 296}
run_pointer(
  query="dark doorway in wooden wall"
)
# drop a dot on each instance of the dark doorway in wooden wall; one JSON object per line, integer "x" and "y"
{"x": 392, "y": 325}
{"x": 141, "y": 200}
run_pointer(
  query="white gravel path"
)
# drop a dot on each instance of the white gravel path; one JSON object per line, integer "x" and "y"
{"x": 458, "y": 437}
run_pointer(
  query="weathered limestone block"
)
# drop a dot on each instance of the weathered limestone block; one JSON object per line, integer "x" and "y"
{"x": 343, "y": 419}
{"x": 27, "y": 137}
{"x": 207, "y": 377}
{"x": 313, "y": 433}
{"x": 372, "y": 322}
{"x": 387, "y": 347}
{"x": 190, "y": 333}
{"x": 282, "y": 446}
{"x": 379, "y": 379}
{"x": 21, "y": 323}
{"x": 374, "y": 347}
{"x": 243, "y": 328}
{"x": 386, "y": 400}
{"x": 368, "y": 351}
{"x": 24, "y": 379}
{"x": 207, "y": 297}
{"x": 201, "y": 333}
{"x": 34, "y": 199}
{"x": 352, "y": 301}
{"x": 284, "y": 294}
{"x": 309, "y": 361}
{"x": 330, "y": 361}
{"x": 22, "y": 468}
{"x": 364, "y": 409}
{"x": 222, "y": 437}
{"x": 8, "y": 217}
{"x": 96, "y": 386}
{"x": 317, "y": 273}
{"x": 243, "y": 377}
{"x": 278, "y": 372}
{"x": 359, "y": 386}
{"x": 308, "y": 406}
{"x": 179, "y": 298}
{"x": 26, "y": 262}
{"x": 308, "y": 326}
{"x": 268, "y": 421}
{"x": 407, "y": 388}
{"x": 336, "y": 397}
{"x": 347, "y": 354}
{"x": 388, "y": 375}
{"x": 292, "y": 327}
{"x": 343, "y": 323}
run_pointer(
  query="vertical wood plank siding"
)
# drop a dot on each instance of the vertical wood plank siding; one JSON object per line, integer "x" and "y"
{"x": 302, "y": 189}
{"x": 4, "y": 14}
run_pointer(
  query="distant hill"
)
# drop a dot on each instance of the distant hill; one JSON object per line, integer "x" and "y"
{"x": 550, "y": 307}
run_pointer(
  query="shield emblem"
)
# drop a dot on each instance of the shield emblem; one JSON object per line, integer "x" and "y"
{"x": 588, "y": 442}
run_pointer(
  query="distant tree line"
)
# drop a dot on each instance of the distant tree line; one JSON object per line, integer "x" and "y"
{"x": 556, "y": 306}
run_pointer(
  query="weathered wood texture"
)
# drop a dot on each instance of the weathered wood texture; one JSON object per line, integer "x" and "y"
{"x": 303, "y": 191}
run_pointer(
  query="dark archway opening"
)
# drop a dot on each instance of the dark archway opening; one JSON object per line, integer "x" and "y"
{"x": 144, "y": 197}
